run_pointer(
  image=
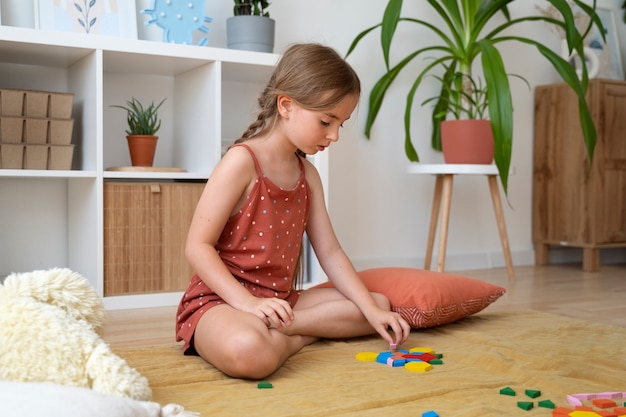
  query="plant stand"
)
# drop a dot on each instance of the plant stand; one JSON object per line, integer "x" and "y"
{"x": 441, "y": 205}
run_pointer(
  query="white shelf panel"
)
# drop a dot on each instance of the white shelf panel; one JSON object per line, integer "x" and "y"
{"x": 121, "y": 302}
{"x": 143, "y": 63}
{"x": 34, "y": 173}
{"x": 441, "y": 169}
{"x": 156, "y": 175}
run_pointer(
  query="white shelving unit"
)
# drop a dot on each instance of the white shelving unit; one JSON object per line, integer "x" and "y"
{"x": 55, "y": 218}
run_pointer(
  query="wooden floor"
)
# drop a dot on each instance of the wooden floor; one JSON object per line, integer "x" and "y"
{"x": 557, "y": 289}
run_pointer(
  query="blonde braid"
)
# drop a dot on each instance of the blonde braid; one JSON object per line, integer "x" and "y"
{"x": 267, "y": 114}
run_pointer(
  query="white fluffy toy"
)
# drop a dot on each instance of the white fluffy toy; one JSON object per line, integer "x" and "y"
{"x": 50, "y": 327}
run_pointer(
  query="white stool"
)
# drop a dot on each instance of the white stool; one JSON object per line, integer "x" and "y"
{"x": 441, "y": 204}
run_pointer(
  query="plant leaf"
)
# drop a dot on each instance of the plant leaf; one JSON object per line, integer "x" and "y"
{"x": 389, "y": 25}
{"x": 500, "y": 108}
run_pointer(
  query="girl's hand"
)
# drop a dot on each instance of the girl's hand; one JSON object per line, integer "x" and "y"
{"x": 274, "y": 312}
{"x": 383, "y": 320}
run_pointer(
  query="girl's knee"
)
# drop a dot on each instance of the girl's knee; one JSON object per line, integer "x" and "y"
{"x": 249, "y": 356}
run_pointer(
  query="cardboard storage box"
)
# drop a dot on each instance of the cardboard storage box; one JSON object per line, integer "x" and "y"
{"x": 11, "y": 102}
{"x": 61, "y": 105}
{"x": 36, "y": 103}
{"x": 61, "y": 157}
{"x": 36, "y": 130}
{"x": 60, "y": 132}
{"x": 11, "y": 155}
{"x": 32, "y": 103}
{"x": 11, "y": 129}
{"x": 36, "y": 157}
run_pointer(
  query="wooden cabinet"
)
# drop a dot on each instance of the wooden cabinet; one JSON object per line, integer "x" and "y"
{"x": 145, "y": 229}
{"x": 575, "y": 204}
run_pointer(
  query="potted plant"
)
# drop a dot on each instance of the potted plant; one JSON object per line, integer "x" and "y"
{"x": 250, "y": 28}
{"x": 467, "y": 38}
{"x": 143, "y": 124}
{"x": 467, "y": 137}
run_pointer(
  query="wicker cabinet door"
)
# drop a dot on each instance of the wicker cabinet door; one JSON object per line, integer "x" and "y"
{"x": 145, "y": 228}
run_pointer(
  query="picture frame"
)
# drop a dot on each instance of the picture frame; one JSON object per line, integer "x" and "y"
{"x": 608, "y": 54}
{"x": 116, "y": 18}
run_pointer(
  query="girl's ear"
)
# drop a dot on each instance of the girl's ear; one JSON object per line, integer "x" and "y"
{"x": 284, "y": 105}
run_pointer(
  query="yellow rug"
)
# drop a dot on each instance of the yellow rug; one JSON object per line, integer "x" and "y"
{"x": 481, "y": 354}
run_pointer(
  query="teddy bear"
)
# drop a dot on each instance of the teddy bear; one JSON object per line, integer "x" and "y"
{"x": 50, "y": 331}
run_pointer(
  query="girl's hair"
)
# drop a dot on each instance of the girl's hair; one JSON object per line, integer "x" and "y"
{"x": 314, "y": 76}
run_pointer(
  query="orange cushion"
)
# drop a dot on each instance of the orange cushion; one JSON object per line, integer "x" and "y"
{"x": 426, "y": 298}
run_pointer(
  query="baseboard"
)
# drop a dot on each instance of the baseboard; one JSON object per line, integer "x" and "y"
{"x": 454, "y": 261}
{"x": 470, "y": 261}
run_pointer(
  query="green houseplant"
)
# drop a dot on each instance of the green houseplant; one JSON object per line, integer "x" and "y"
{"x": 466, "y": 32}
{"x": 143, "y": 124}
{"x": 251, "y": 8}
{"x": 250, "y": 27}
{"x": 467, "y": 137}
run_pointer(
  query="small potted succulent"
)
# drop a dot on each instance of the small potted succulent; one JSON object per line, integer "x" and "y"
{"x": 251, "y": 28}
{"x": 143, "y": 124}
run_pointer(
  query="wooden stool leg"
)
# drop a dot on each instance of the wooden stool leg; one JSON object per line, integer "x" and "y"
{"x": 542, "y": 253}
{"x": 497, "y": 206}
{"x": 434, "y": 219}
{"x": 445, "y": 218}
{"x": 591, "y": 259}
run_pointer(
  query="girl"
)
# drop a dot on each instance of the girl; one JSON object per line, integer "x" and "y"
{"x": 241, "y": 312}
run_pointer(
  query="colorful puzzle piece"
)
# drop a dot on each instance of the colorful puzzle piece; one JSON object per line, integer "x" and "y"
{"x": 525, "y": 405}
{"x": 264, "y": 385}
{"x": 603, "y": 402}
{"x": 533, "y": 393}
{"x": 583, "y": 413}
{"x": 426, "y": 357}
{"x": 546, "y": 404}
{"x": 366, "y": 356}
{"x": 420, "y": 349}
{"x": 418, "y": 366}
{"x": 577, "y": 399}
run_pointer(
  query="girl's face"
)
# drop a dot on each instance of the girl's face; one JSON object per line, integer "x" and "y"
{"x": 312, "y": 131}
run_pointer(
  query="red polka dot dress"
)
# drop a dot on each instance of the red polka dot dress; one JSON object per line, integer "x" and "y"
{"x": 259, "y": 245}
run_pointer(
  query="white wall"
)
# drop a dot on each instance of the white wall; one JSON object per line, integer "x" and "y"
{"x": 381, "y": 212}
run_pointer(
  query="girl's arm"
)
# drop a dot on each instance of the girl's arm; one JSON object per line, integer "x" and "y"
{"x": 229, "y": 184}
{"x": 340, "y": 270}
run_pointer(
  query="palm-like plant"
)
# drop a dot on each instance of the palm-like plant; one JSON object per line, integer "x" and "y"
{"x": 461, "y": 45}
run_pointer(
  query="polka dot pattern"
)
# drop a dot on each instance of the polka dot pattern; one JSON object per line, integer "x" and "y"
{"x": 260, "y": 246}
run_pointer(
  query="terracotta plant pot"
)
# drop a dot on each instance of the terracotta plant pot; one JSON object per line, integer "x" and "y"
{"x": 142, "y": 149}
{"x": 467, "y": 141}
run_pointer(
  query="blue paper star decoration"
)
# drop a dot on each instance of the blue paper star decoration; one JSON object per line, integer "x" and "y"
{"x": 178, "y": 19}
